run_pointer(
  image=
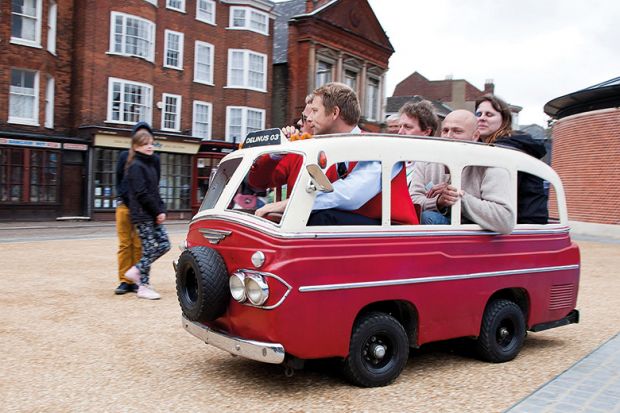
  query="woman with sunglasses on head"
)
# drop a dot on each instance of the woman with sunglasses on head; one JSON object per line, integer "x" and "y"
{"x": 495, "y": 127}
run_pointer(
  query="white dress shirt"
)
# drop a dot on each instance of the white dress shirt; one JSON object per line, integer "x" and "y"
{"x": 357, "y": 188}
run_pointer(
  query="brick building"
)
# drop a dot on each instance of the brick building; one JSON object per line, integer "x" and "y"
{"x": 318, "y": 41}
{"x": 455, "y": 93}
{"x": 76, "y": 75}
{"x": 586, "y": 150}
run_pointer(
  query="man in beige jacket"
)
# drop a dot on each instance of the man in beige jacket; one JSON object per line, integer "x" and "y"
{"x": 485, "y": 200}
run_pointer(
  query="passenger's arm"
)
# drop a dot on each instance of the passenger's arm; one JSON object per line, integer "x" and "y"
{"x": 417, "y": 187}
{"x": 493, "y": 210}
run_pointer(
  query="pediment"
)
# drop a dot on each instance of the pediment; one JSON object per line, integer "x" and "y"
{"x": 357, "y": 17}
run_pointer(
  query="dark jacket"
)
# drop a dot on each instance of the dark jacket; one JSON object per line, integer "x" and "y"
{"x": 145, "y": 202}
{"x": 531, "y": 194}
{"x": 122, "y": 190}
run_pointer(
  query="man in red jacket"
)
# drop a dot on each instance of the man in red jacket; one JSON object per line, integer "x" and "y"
{"x": 356, "y": 199}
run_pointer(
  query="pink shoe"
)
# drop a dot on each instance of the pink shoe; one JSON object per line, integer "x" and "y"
{"x": 147, "y": 292}
{"x": 133, "y": 275}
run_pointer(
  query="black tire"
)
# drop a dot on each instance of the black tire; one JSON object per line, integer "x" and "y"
{"x": 502, "y": 332}
{"x": 372, "y": 334}
{"x": 202, "y": 284}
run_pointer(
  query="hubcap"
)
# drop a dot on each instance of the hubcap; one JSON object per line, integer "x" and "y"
{"x": 505, "y": 333}
{"x": 377, "y": 351}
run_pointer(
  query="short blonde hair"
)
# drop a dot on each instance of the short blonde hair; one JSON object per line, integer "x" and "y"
{"x": 339, "y": 95}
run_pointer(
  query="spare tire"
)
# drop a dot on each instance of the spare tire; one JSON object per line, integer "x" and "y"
{"x": 202, "y": 284}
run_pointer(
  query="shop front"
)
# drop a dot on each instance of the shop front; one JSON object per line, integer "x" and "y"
{"x": 176, "y": 156}
{"x": 41, "y": 177}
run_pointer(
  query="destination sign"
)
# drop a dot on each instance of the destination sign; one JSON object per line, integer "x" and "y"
{"x": 263, "y": 138}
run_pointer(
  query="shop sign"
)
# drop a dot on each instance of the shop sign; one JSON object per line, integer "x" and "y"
{"x": 160, "y": 145}
{"x": 34, "y": 144}
{"x": 75, "y": 146}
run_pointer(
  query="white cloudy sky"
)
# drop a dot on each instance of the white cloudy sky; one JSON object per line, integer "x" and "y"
{"x": 534, "y": 50}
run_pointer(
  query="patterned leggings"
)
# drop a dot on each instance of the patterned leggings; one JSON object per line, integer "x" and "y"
{"x": 155, "y": 243}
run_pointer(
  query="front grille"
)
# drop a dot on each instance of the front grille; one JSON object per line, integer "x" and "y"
{"x": 562, "y": 296}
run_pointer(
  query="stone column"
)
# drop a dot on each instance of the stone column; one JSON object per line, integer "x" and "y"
{"x": 311, "y": 68}
{"x": 339, "y": 77}
{"x": 362, "y": 92}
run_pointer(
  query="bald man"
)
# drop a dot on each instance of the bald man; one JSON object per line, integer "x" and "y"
{"x": 461, "y": 125}
{"x": 484, "y": 198}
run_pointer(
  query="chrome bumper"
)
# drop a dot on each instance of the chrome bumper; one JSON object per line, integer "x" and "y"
{"x": 255, "y": 350}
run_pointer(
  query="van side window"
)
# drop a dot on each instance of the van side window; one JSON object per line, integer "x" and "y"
{"x": 532, "y": 199}
{"x": 487, "y": 198}
{"x": 426, "y": 180}
{"x": 356, "y": 199}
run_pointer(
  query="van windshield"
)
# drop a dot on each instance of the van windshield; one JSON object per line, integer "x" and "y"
{"x": 224, "y": 172}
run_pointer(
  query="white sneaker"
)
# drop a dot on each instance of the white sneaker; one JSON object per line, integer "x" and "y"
{"x": 133, "y": 275}
{"x": 147, "y": 292}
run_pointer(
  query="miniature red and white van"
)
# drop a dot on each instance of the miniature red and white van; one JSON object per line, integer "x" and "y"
{"x": 279, "y": 291}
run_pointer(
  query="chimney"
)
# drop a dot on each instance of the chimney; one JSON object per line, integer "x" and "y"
{"x": 311, "y": 5}
{"x": 489, "y": 86}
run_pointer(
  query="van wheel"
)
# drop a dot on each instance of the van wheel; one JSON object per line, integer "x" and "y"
{"x": 502, "y": 332}
{"x": 202, "y": 284}
{"x": 378, "y": 351}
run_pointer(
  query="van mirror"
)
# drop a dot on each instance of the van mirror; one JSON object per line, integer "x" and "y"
{"x": 318, "y": 180}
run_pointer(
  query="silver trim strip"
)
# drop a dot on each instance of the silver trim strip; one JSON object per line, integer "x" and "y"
{"x": 255, "y": 350}
{"x": 380, "y": 233}
{"x": 421, "y": 280}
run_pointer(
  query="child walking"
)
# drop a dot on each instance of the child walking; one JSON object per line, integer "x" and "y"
{"x": 148, "y": 212}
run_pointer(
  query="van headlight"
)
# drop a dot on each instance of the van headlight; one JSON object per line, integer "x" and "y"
{"x": 237, "y": 287}
{"x": 256, "y": 289}
{"x": 248, "y": 285}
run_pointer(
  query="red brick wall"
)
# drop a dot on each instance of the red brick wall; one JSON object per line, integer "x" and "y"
{"x": 58, "y": 66}
{"x": 95, "y": 66}
{"x": 586, "y": 155}
{"x": 327, "y": 31}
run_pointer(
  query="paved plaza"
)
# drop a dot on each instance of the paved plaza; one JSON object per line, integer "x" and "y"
{"x": 69, "y": 344}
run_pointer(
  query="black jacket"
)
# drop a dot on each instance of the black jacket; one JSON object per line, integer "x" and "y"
{"x": 122, "y": 190}
{"x": 143, "y": 189}
{"x": 531, "y": 194}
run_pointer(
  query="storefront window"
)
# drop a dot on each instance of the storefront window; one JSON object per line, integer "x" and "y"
{"x": 105, "y": 177}
{"x": 28, "y": 175}
{"x": 175, "y": 182}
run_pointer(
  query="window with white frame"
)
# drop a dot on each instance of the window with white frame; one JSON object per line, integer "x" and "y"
{"x": 372, "y": 98}
{"x": 247, "y": 69}
{"x": 26, "y": 22}
{"x": 171, "y": 112}
{"x": 129, "y": 102}
{"x": 178, "y": 5}
{"x": 242, "y": 120}
{"x": 24, "y": 97}
{"x": 153, "y": 2}
{"x": 49, "y": 102}
{"x": 51, "y": 27}
{"x": 173, "y": 49}
{"x": 201, "y": 120}
{"x": 350, "y": 79}
{"x": 323, "y": 73}
{"x": 246, "y": 18}
{"x": 203, "y": 63}
{"x": 205, "y": 11}
{"x": 132, "y": 36}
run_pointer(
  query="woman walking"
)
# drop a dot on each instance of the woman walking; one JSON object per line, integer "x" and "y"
{"x": 148, "y": 212}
